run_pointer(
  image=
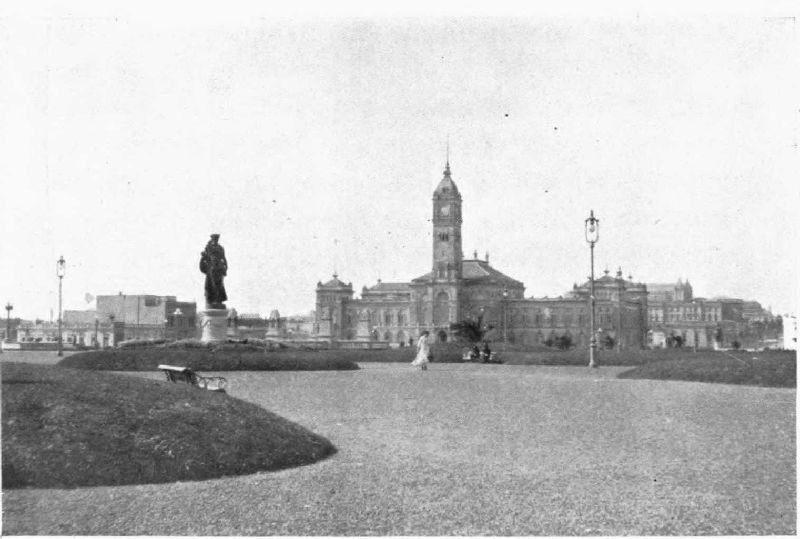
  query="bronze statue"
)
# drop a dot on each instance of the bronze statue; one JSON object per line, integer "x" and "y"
{"x": 214, "y": 264}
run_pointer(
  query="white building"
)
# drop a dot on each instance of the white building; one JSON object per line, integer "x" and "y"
{"x": 790, "y": 332}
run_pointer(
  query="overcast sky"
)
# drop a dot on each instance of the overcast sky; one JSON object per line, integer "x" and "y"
{"x": 314, "y": 144}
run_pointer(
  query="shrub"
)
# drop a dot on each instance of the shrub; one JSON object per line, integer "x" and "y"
{"x": 140, "y": 343}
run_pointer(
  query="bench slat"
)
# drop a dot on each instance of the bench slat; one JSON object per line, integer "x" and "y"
{"x": 174, "y": 368}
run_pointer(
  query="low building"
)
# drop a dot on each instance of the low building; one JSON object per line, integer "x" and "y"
{"x": 148, "y": 316}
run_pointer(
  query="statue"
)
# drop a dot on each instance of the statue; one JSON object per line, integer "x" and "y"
{"x": 214, "y": 264}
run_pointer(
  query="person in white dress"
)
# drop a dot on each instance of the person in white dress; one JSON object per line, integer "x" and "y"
{"x": 423, "y": 350}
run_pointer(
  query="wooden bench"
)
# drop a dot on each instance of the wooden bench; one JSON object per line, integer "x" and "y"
{"x": 185, "y": 374}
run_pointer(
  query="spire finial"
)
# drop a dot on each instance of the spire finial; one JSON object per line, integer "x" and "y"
{"x": 447, "y": 158}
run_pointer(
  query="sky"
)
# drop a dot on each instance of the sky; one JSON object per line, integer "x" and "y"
{"x": 312, "y": 142}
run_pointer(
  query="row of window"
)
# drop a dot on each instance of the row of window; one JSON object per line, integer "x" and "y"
{"x": 656, "y": 316}
{"x": 388, "y": 318}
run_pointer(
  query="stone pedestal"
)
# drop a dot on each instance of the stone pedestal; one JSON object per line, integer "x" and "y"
{"x": 215, "y": 325}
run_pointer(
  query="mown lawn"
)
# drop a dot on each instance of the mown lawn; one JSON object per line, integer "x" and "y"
{"x": 66, "y": 428}
{"x": 768, "y": 369}
{"x": 241, "y": 358}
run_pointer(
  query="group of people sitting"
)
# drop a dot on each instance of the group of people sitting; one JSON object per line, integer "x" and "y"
{"x": 481, "y": 354}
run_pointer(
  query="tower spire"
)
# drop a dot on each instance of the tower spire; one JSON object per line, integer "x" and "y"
{"x": 447, "y": 158}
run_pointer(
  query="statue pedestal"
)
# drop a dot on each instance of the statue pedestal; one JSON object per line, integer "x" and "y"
{"x": 215, "y": 325}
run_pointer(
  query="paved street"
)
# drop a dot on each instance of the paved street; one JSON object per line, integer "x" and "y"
{"x": 476, "y": 449}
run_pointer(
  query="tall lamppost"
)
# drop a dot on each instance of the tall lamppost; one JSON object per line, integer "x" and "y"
{"x": 60, "y": 268}
{"x": 505, "y": 320}
{"x": 592, "y": 231}
{"x": 112, "y": 340}
{"x": 177, "y": 314}
{"x": 9, "y": 307}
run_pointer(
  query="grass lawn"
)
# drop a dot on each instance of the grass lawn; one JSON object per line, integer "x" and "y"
{"x": 466, "y": 449}
{"x": 771, "y": 368}
{"x": 66, "y": 428}
{"x": 228, "y": 358}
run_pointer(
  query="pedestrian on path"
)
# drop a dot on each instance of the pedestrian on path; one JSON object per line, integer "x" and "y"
{"x": 423, "y": 350}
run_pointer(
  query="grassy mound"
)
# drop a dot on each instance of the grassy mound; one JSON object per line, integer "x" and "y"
{"x": 64, "y": 428}
{"x": 193, "y": 344}
{"x": 226, "y": 357}
{"x": 769, "y": 368}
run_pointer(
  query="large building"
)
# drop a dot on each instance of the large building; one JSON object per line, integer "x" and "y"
{"x": 458, "y": 288}
{"x": 675, "y": 315}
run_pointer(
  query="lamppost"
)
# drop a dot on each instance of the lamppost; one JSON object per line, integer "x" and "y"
{"x": 592, "y": 226}
{"x": 60, "y": 268}
{"x": 9, "y": 307}
{"x": 177, "y": 314}
{"x": 505, "y": 324}
{"x": 112, "y": 341}
{"x": 96, "y": 327}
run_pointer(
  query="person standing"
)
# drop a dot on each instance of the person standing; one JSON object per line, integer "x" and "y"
{"x": 423, "y": 350}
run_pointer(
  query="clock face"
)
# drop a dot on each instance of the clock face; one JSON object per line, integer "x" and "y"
{"x": 445, "y": 211}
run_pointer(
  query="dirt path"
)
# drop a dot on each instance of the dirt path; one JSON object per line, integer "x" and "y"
{"x": 476, "y": 449}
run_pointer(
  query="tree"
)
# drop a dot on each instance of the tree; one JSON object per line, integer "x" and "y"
{"x": 471, "y": 329}
{"x": 718, "y": 335}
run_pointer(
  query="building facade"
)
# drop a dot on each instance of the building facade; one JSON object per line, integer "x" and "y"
{"x": 458, "y": 288}
{"x": 147, "y": 316}
{"x": 677, "y": 318}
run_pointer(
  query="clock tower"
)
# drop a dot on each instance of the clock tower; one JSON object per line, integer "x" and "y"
{"x": 447, "y": 253}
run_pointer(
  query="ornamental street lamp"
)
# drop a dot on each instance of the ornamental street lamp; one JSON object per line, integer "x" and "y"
{"x": 111, "y": 341}
{"x": 505, "y": 320}
{"x": 60, "y": 268}
{"x": 177, "y": 314}
{"x": 592, "y": 231}
{"x": 9, "y": 307}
